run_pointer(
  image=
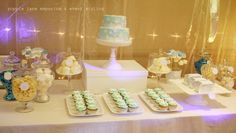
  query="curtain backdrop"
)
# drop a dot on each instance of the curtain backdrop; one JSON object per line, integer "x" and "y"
{"x": 154, "y": 24}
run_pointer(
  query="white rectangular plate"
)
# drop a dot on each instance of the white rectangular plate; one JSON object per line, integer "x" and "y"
{"x": 217, "y": 89}
{"x": 153, "y": 106}
{"x": 112, "y": 107}
{"x": 73, "y": 112}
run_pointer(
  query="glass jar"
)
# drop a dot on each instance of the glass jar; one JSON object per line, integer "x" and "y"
{"x": 10, "y": 65}
{"x": 24, "y": 88}
{"x": 45, "y": 77}
{"x": 202, "y": 59}
{"x": 158, "y": 63}
{"x": 69, "y": 66}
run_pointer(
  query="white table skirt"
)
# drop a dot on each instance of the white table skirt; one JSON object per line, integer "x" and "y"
{"x": 53, "y": 117}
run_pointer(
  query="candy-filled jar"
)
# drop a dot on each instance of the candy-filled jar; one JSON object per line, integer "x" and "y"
{"x": 44, "y": 76}
{"x": 10, "y": 65}
{"x": 202, "y": 60}
{"x": 24, "y": 87}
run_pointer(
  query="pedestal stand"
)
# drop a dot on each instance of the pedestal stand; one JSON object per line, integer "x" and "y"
{"x": 113, "y": 64}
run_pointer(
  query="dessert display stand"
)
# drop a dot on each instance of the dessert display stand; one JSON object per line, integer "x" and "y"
{"x": 197, "y": 98}
{"x": 70, "y": 66}
{"x": 70, "y": 88}
{"x": 101, "y": 75}
{"x": 98, "y": 79}
{"x": 113, "y": 64}
{"x": 24, "y": 107}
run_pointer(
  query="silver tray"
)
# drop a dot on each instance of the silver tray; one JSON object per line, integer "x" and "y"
{"x": 73, "y": 112}
{"x": 113, "y": 108}
{"x": 153, "y": 106}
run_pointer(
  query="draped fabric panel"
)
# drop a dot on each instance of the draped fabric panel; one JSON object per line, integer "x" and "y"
{"x": 155, "y": 24}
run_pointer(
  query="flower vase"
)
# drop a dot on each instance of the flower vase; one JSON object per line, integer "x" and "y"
{"x": 176, "y": 74}
{"x": 176, "y": 71}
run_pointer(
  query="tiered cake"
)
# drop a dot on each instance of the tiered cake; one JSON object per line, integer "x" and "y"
{"x": 113, "y": 30}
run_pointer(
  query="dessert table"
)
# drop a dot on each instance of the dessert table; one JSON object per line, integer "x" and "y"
{"x": 217, "y": 117}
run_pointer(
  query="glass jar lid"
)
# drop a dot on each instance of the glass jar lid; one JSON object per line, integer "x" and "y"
{"x": 43, "y": 62}
{"x": 12, "y": 61}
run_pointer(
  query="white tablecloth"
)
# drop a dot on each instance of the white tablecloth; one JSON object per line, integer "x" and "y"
{"x": 217, "y": 117}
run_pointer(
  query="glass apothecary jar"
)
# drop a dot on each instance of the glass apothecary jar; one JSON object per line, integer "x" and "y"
{"x": 10, "y": 65}
{"x": 44, "y": 76}
{"x": 70, "y": 65}
{"x": 158, "y": 64}
{"x": 24, "y": 88}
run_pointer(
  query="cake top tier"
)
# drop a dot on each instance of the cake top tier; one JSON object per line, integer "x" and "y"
{"x": 114, "y": 21}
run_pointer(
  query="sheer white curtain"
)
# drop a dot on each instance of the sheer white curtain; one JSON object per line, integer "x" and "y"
{"x": 155, "y": 24}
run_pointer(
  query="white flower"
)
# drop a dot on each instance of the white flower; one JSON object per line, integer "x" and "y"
{"x": 181, "y": 63}
{"x": 214, "y": 70}
{"x": 185, "y": 61}
{"x": 231, "y": 69}
{"x": 176, "y": 59}
{"x": 26, "y": 51}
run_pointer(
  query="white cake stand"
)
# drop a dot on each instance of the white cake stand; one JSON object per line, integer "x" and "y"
{"x": 113, "y": 64}
{"x": 197, "y": 98}
{"x": 70, "y": 88}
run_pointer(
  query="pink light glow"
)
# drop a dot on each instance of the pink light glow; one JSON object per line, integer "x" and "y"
{"x": 7, "y": 29}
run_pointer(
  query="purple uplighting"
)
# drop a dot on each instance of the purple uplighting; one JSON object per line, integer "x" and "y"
{"x": 24, "y": 24}
{"x": 5, "y": 31}
{"x": 217, "y": 118}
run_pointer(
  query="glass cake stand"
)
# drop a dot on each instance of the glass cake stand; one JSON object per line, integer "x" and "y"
{"x": 65, "y": 68}
{"x": 113, "y": 64}
{"x": 157, "y": 67}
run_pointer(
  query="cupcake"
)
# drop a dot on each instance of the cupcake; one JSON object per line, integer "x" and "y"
{"x": 157, "y": 90}
{"x": 122, "y": 107}
{"x": 111, "y": 91}
{"x": 92, "y": 108}
{"x": 90, "y": 101}
{"x": 163, "y": 105}
{"x": 81, "y": 109}
{"x": 88, "y": 96}
{"x": 132, "y": 105}
{"x": 85, "y": 92}
{"x": 150, "y": 93}
{"x": 124, "y": 93}
{"x": 122, "y": 90}
{"x": 116, "y": 96}
{"x": 119, "y": 101}
{"x": 154, "y": 96}
{"x": 161, "y": 92}
{"x": 76, "y": 93}
{"x": 172, "y": 104}
{"x": 164, "y": 96}
{"x": 126, "y": 97}
{"x": 157, "y": 100}
{"x": 77, "y": 96}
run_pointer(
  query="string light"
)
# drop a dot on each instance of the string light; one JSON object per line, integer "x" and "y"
{"x": 34, "y": 30}
{"x": 131, "y": 38}
{"x": 176, "y": 36}
{"x": 61, "y": 33}
{"x": 153, "y": 35}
